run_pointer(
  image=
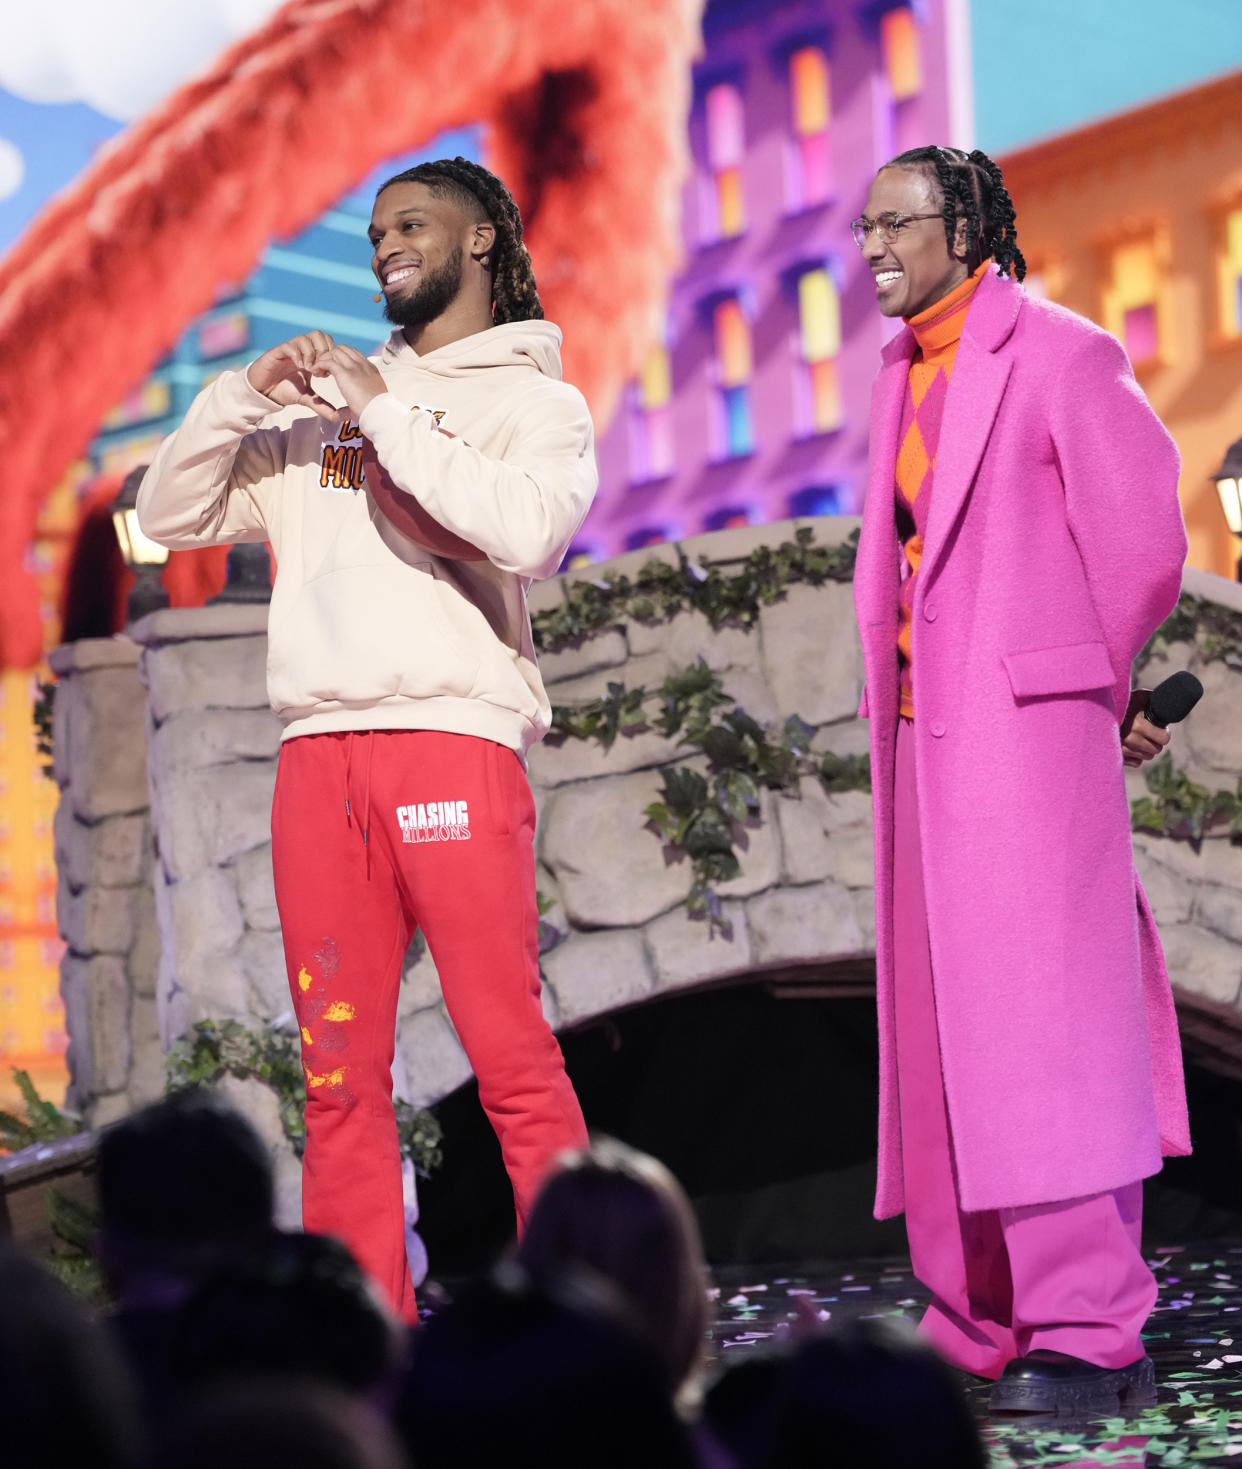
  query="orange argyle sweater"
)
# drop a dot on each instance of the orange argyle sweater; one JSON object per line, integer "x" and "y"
{"x": 937, "y": 330}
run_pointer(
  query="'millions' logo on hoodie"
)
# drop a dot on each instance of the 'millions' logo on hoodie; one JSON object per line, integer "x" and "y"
{"x": 434, "y": 821}
{"x": 341, "y": 464}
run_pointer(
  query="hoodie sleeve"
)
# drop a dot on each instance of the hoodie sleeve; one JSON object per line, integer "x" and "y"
{"x": 214, "y": 480}
{"x": 521, "y": 511}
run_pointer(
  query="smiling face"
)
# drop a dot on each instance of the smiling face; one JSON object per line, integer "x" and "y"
{"x": 421, "y": 244}
{"x": 917, "y": 268}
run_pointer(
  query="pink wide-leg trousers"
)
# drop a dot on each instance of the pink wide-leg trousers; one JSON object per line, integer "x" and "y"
{"x": 1067, "y": 1275}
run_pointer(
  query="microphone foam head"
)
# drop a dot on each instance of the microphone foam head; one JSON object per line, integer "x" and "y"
{"x": 1173, "y": 699}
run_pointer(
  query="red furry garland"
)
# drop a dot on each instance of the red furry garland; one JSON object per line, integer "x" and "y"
{"x": 108, "y": 275}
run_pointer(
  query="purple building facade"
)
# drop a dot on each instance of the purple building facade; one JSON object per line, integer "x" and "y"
{"x": 752, "y": 404}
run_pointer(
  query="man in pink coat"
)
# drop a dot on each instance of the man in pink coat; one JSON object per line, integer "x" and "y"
{"x": 1021, "y": 540}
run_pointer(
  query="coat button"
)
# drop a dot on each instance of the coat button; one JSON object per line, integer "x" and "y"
{"x": 929, "y": 611}
{"x": 937, "y": 728}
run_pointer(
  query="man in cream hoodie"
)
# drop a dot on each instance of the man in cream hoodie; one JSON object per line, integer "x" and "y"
{"x": 410, "y": 500}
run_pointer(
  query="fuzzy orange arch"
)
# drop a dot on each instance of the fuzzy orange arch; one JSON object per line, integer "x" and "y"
{"x": 585, "y": 105}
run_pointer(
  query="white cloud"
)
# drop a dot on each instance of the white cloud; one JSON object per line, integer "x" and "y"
{"x": 12, "y": 168}
{"x": 119, "y": 56}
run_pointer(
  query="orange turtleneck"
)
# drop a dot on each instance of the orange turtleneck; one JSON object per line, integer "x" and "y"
{"x": 937, "y": 330}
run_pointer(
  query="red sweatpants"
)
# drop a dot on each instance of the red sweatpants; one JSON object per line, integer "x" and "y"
{"x": 374, "y": 834}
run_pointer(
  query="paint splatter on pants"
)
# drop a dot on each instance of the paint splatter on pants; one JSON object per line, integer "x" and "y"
{"x": 449, "y": 823}
{"x": 1069, "y": 1275}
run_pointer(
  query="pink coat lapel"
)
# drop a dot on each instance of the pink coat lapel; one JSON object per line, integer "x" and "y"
{"x": 975, "y": 392}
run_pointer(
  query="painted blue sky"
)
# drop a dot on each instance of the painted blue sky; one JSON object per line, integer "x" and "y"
{"x": 1044, "y": 66}
{"x": 1040, "y": 66}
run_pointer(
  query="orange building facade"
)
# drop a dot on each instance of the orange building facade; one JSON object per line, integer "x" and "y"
{"x": 1136, "y": 222}
{"x": 32, "y": 1021}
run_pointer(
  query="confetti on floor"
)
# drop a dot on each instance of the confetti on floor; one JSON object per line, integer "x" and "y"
{"x": 1196, "y": 1420}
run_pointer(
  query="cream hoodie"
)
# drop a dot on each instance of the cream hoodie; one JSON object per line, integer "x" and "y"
{"x": 369, "y": 628}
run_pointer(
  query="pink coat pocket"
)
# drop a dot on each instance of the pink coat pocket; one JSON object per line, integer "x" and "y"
{"x": 1067, "y": 670}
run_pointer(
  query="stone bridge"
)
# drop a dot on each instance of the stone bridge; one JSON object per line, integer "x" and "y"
{"x": 166, "y": 896}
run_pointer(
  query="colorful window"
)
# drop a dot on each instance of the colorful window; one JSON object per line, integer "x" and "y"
{"x": 817, "y": 386}
{"x": 650, "y": 418}
{"x": 725, "y": 209}
{"x": 735, "y": 433}
{"x": 1131, "y": 301}
{"x": 729, "y": 517}
{"x": 221, "y": 334}
{"x": 121, "y": 457}
{"x": 810, "y": 177}
{"x": 1231, "y": 276}
{"x": 152, "y": 399}
{"x": 902, "y": 51}
{"x": 816, "y": 500}
{"x": 650, "y": 535}
{"x": 580, "y": 554}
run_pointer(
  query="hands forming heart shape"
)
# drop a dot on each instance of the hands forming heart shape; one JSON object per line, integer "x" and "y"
{"x": 284, "y": 372}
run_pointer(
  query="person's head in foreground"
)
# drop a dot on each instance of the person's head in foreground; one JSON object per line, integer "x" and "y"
{"x": 863, "y": 1394}
{"x": 67, "y": 1398}
{"x": 933, "y": 217}
{"x": 277, "y": 1422}
{"x": 515, "y": 1372}
{"x": 183, "y": 1185}
{"x": 615, "y": 1211}
{"x": 302, "y": 1307}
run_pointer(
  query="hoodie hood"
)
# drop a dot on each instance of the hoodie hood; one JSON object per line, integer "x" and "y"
{"x": 534, "y": 344}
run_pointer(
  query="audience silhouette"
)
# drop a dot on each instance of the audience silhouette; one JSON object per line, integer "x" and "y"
{"x": 67, "y": 1399}
{"x": 549, "y": 1373}
{"x": 233, "y": 1343}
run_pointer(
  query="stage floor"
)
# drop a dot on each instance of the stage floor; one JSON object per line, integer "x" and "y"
{"x": 1194, "y": 1337}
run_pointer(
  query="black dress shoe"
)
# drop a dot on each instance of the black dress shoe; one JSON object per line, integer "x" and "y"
{"x": 1052, "y": 1382}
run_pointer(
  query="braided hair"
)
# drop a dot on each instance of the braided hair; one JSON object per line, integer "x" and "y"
{"x": 514, "y": 294}
{"x": 972, "y": 188}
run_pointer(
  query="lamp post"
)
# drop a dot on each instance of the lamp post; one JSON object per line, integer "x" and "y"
{"x": 142, "y": 555}
{"x": 247, "y": 575}
{"x": 1229, "y": 487}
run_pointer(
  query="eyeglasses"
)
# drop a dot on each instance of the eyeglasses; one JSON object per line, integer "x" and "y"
{"x": 886, "y": 226}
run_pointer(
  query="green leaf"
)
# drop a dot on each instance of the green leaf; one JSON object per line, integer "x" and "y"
{"x": 741, "y": 723}
{"x": 44, "y": 1122}
{"x": 723, "y": 747}
{"x": 72, "y": 1221}
{"x": 845, "y": 772}
{"x": 739, "y": 794}
{"x": 14, "y": 1133}
{"x": 1179, "y": 807}
{"x": 685, "y": 790}
{"x": 706, "y": 838}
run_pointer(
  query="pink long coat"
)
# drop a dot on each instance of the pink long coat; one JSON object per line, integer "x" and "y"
{"x": 1054, "y": 547}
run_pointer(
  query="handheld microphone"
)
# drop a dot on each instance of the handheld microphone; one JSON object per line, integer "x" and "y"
{"x": 1172, "y": 700}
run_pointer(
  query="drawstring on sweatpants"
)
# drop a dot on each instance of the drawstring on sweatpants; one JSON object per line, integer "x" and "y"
{"x": 366, "y": 799}
{"x": 366, "y": 802}
{"x": 349, "y": 762}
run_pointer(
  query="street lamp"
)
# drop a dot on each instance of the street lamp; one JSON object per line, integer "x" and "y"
{"x": 1229, "y": 487}
{"x": 247, "y": 574}
{"x": 144, "y": 557}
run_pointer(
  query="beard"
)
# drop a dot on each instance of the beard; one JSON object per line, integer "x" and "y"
{"x": 432, "y": 297}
